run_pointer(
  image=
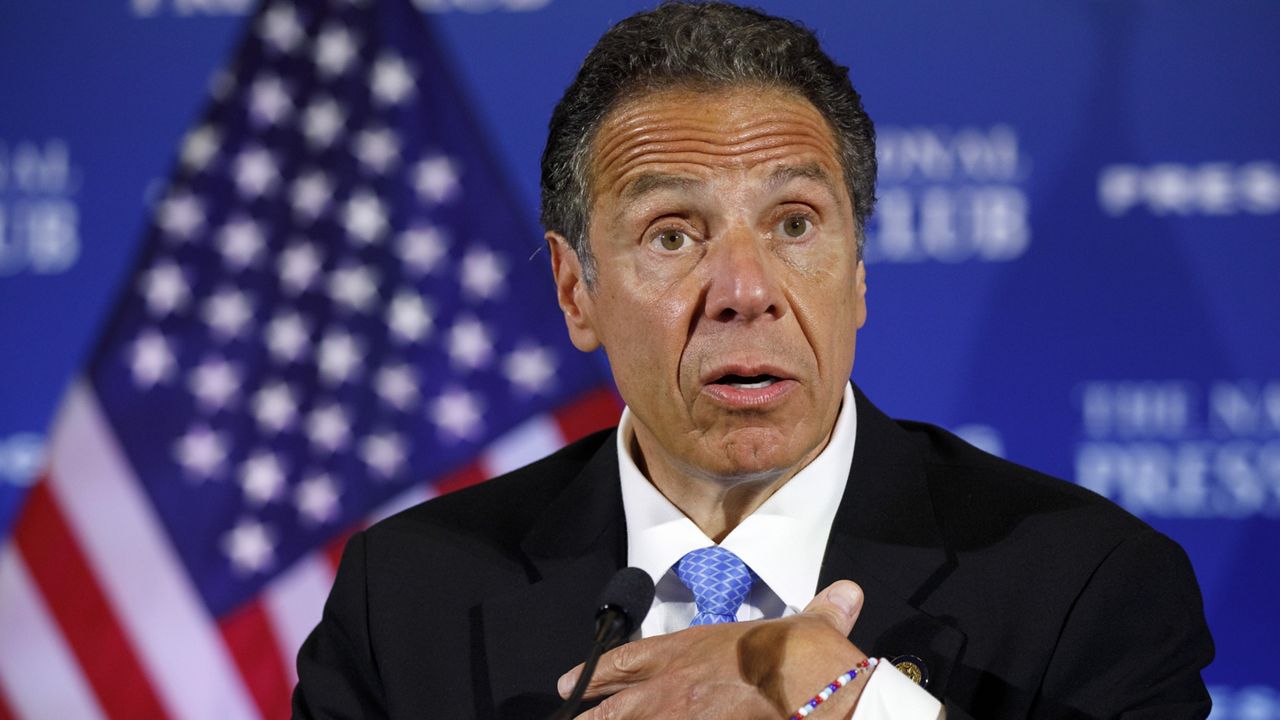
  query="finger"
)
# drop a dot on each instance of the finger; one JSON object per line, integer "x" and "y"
{"x": 619, "y": 706}
{"x": 839, "y": 604}
{"x": 565, "y": 684}
{"x": 622, "y": 667}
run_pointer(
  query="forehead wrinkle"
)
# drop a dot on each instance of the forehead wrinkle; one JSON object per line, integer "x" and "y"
{"x": 706, "y": 137}
{"x": 700, "y": 155}
{"x": 664, "y": 130}
{"x": 664, "y": 119}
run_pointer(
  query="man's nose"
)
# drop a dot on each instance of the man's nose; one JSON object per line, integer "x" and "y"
{"x": 742, "y": 278}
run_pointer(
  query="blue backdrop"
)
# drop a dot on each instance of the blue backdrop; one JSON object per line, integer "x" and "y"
{"x": 1074, "y": 263}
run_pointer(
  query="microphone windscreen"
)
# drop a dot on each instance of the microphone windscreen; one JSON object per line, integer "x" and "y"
{"x": 629, "y": 591}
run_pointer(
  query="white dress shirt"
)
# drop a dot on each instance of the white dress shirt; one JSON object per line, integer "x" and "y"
{"x": 783, "y": 542}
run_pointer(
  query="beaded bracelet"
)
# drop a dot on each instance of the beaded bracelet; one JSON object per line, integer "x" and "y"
{"x": 831, "y": 689}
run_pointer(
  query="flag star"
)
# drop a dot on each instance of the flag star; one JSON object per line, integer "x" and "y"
{"x": 255, "y": 172}
{"x": 201, "y": 452}
{"x": 421, "y": 249}
{"x": 299, "y": 266}
{"x": 392, "y": 80}
{"x": 228, "y": 312}
{"x": 287, "y": 337}
{"x": 241, "y": 242}
{"x": 409, "y": 317}
{"x": 397, "y": 386}
{"x": 151, "y": 359}
{"x": 383, "y": 453}
{"x": 457, "y": 414}
{"x": 165, "y": 288}
{"x": 436, "y": 179}
{"x": 365, "y": 217}
{"x": 269, "y": 101}
{"x": 199, "y": 147}
{"x": 311, "y": 194}
{"x": 483, "y": 274}
{"x": 335, "y": 50}
{"x": 530, "y": 368}
{"x": 321, "y": 122}
{"x": 354, "y": 287}
{"x": 274, "y": 406}
{"x": 280, "y": 28}
{"x": 250, "y": 546}
{"x": 328, "y": 428}
{"x": 316, "y": 499}
{"x": 262, "y": 478}
{"x": 214, "y": 383}
{"x": 221, "y": 83}
{"x": 377, "y": 149}
{"x": 469, "y": 344}
{"x": 340, "y": 355}
{"x": 180, "y": 215}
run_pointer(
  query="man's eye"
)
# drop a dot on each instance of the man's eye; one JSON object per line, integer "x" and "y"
{"x": 796, "y": 226}
{"x": 672, "y": 239}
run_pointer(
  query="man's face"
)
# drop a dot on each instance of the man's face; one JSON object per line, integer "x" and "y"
{"x": 728, "y": 291}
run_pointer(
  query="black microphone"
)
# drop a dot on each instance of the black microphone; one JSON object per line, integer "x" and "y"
{"x": 623, "y": 604}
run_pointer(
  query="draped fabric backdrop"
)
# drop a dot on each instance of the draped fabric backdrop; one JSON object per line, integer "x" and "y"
{"x": 268, "y": 273}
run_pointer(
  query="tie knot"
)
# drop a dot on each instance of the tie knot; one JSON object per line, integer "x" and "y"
{"x": 719, "y": 581}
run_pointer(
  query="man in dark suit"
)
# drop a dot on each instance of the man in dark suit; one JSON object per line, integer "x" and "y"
{"x": 705, "y": 187}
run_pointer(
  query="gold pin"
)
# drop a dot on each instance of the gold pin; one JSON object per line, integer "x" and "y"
{"x": 913, "y": 667}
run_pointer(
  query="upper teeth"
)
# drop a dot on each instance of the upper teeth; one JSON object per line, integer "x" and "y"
{"x": 753, "y": 385}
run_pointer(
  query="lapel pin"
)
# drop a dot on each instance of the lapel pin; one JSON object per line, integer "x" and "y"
{"x": 913, "y": 667}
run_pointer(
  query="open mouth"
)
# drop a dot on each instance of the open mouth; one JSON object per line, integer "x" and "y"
{"x": 747, "y": 382}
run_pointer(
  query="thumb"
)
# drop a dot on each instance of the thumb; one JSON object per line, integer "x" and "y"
{"x": 839, "y": 603}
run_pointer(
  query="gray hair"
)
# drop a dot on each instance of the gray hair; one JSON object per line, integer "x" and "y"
{"x": 711, "y": 45}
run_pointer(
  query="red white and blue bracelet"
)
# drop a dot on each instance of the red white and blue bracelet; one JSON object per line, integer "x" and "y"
{"x": 831, "y": 689}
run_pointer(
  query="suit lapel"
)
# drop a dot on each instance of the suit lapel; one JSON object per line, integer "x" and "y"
{"x": 533, "y": 635}
{"x": 886, "y": 538}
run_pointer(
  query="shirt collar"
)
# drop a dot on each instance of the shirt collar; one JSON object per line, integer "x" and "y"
{"x": 783, "y": 541}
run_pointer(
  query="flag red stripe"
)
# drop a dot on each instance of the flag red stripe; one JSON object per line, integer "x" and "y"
{"x": 5, "y": 712}
{"x": 468, "y": 475}
{"x": 333, "y": 550}
{"x": 593, "y": 411}
{"x": 75, "y": 600}
{"x": 248, "y": 635}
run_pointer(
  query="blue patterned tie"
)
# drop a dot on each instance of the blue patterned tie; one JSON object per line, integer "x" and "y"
{"x": 719, "y": 580}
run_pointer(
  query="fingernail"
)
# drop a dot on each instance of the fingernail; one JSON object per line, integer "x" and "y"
{"x": 847, "y": 598}
{"x": 565, "y": 684}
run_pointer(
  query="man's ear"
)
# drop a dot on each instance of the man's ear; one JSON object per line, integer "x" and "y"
{"x": 572, "y": 293}
{"x": 860, "y": 294}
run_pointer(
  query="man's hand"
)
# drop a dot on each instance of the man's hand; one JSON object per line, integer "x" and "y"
{"x": 759, "y": 669}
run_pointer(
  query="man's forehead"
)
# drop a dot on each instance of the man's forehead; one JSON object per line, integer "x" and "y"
{"x": 669, "y": 138}
{"x": 776, "y": 175}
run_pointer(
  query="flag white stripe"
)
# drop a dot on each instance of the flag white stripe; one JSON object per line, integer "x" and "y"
{"x": 531, "y": 440}
{"x": 411, "y": 496}
{"x": 39, "y": 675}
{"x": 177, "y": 641}
{"x": 294, "y": 602}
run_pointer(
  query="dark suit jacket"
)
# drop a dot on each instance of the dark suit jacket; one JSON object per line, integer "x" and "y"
{"x": 1023, "y": 595}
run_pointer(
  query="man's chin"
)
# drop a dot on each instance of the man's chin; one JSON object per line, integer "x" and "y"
{"x": 757, "y": 455}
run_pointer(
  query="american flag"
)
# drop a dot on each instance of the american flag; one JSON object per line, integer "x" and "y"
{"x": 334, "y": 315}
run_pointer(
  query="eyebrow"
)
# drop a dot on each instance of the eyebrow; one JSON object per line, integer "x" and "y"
{"x": 651, "y": 181}
{"x": 807, "y": 171}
